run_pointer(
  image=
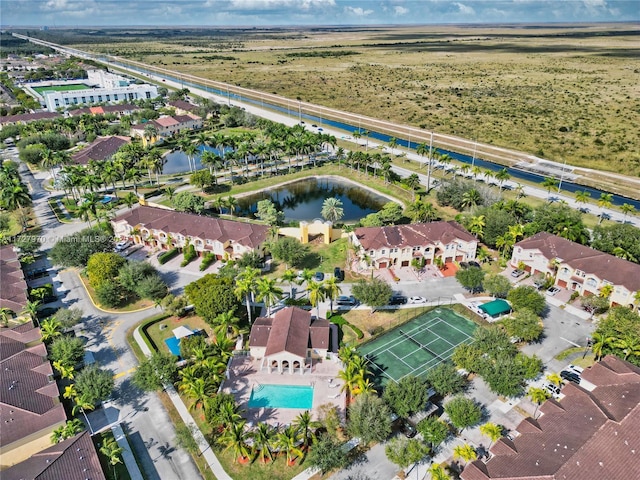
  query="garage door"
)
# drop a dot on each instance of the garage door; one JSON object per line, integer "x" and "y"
{"x": 382, "y": 265}
{"x": 405, "y": 263}
{"x": 562, "y": 284}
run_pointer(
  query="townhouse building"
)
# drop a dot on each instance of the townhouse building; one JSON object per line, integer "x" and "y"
{"x": 577, "y": 267}
{"x": 398, "y": 245}
{"x": 165, "y": 229}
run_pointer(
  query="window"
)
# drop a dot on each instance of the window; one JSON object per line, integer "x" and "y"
{"x": 91, "y": 98}
{"x": 383, "y": 251}
{"x": 591, "y": 282}
{"x": 148, "y": 94}
{"x": 416, "y": 249}
{"x": 579, "y": 273}
{"x": 372, "y": 253}
{"x": 99, "y": 98}
{"x": 393, "y": 250}
{"x": 115, "y": 96}
{"x": 564, "y": 271}
{"x": 66, "y": 101}
{"x": 131, "y": 96}
{"x": 108, "y": 98}
{"x": 427, "y": 249}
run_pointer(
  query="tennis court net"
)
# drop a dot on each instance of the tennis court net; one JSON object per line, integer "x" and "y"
{"x": 410, "y": 338}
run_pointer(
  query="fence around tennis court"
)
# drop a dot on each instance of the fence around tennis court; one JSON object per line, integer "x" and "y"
{"x": 417, "y": 345}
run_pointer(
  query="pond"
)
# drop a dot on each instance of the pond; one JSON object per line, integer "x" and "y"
{"x": 178, "y": 162}
{"x": 302, "y": 200}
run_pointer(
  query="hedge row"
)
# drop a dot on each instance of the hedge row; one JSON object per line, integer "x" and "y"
{"x": 340, "y": 321}
{"x": 207, "y": 260}
{"x": 168, "y": 255}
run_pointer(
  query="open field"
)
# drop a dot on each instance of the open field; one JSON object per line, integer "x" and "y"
{"x": 557, "y": 91}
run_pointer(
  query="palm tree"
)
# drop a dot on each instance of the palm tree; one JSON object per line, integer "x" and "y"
{"x": 466, "y": 452}
{"x": 471, "y": 198}
{"x": 600, "y": 343}
{"x": 263, "y": 437}
{"x": 305, "y": 425}
{"x": 191, "y": 150}
{"x": 288, "y": 440}
{"x": 112, "y": 451}
{"x": 67, "y": 430}
{"x": 548, "y": 183}
{"x": 476, "y": 226}
{"x": 268, "y": 292}
{"x": 605, "y": 201}
{"x": 629, "y": 345}
{"x": 437, "y": 472}
{"x": 231, "y": 203}
{"x": 197, "y": 389}
{"x": 393, "y": 143}
{"x": 246, "y": 286}
{"x": 627, "y": 209}
{"x": 332, "y": 209}
{"x": 6, "y": 314}
{"x": 491, "y": 430}
{"x": 332, "y": 291}
{"x": 555, "y": 379}
{"x": 502, "y": 176}
{"x": 213, "y": 161}
{"x": 65, "y": 371}
{"x": 15, "y": 194}
{"x": 316, "y": 294}
{"x": 582, "y": 196}
{"x": 537, "y": 396}
{"x": 31, "y": 309}
{"x": 50, "y": 329}
{"x": 289, "y": 276}
{"x": 234, "y": 438}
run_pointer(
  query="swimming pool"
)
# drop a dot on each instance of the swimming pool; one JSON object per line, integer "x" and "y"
{"x": 281, "y": 396}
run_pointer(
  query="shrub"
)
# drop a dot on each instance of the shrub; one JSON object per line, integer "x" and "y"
{"x": 152, "y": 287}
{"x": 168, "y": 255}
{"x": 110, "y": 294}
{"x": 207, "y": 260}
{"x": 189, "y": 255}
{"x": 103, "y": 267}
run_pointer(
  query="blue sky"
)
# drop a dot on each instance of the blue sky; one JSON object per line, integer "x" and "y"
{"x": 310, "y": 12}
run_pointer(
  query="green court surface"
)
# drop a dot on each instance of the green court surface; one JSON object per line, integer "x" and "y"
{"x": 417, "y": 346}
{"x": 60, "y": 88}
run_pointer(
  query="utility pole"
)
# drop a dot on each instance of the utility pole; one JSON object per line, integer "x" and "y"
{"x": 562, "y": 175}
{"x": 473, "y": 158}
{"x": 429, "y": 166}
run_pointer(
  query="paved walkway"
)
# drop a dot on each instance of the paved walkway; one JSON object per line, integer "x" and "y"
{"x": 205, "y": 449}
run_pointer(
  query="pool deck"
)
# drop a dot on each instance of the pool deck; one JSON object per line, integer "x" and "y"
{"x": 244, "y": 375}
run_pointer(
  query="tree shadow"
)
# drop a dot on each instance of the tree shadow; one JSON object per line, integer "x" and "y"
{"x": 310, "y": 261}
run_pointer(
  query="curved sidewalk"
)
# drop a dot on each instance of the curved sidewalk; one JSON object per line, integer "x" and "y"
{"x": 205, "y": 449}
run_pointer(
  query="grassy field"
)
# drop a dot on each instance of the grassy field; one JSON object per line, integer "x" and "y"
{"x": 60, "y": 88}
{"x": 557, "y": 91}
{"x": 158, "y": 334}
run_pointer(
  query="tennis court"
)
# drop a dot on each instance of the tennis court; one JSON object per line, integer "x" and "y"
{"x": 417, "y": 346}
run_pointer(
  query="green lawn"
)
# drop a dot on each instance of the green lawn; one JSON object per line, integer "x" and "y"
{"x": 159, "y": 331}
{"x": 60, "y": 88}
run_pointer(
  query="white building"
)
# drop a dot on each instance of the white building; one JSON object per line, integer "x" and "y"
{"x": 55, "y": 100}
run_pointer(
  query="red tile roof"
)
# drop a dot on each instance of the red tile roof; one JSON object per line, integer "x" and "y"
{"x": 100, "y": 149}
{"x": 589, "y": 434}
{"x": 412, "y": 235}
{"x": 123, "y": 108}
{"x": 591, "y": 261}
{"x": 13, "y": 294}
{"x": 29, "y": 117}
{"x": 290, "y": 330}
{"x": 250, "y": 235}
{"x": 28, "y": 395}
{"x": 166, "y": 121}
{"x": 182, "y": 105}
{"x": 72, "y": 459}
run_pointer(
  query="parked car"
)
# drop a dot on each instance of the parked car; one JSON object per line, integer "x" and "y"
{"x": 344, "y": 300}
{"x": 575, "y": 369}
{"x": 517, "y": 273}
{"x": 408, "y": 429}
{"x": 338, "y": 273}
{"x": 318, "y": 277}
{"x": 122, "y": 246}
{"x": 474, "y": 264}
{"x": 552, "y": 389}
{"x": 551, "y": 291}
{"x": 417, "y": 300}
{"x": 398, "y": 300}
{"x": 464, "y": 265}
{"x": 570, "y": 376}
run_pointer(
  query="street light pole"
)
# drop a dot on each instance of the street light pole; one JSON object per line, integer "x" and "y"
{"x": 562, "y": 175}
{"x": 473, "y": 158}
